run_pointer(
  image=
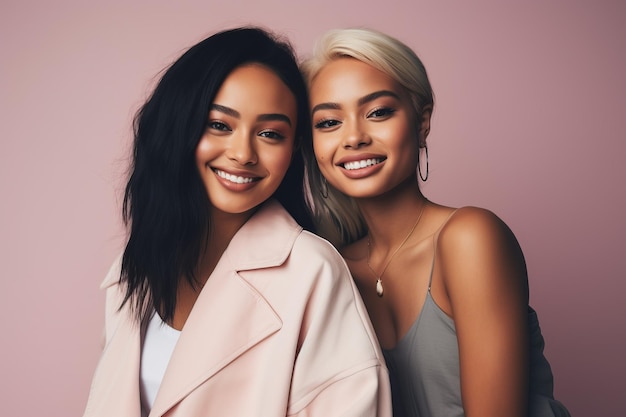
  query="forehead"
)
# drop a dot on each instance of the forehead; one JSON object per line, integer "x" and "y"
{"x": 256, "y": 87}
{"x": 348, "y": 79}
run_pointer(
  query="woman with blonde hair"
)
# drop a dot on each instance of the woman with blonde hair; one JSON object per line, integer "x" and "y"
{"x": 445, "y": 288}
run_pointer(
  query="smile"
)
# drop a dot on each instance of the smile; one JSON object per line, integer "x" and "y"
{"x": 362, "y": 164}
{"x": 237, "y": 179}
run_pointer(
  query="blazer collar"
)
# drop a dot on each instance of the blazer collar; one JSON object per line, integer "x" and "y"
{"x": 265, "y": 240}
{"x": 230, "y": 316}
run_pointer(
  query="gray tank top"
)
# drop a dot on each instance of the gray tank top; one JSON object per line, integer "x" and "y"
{"x": 424, "y": 368}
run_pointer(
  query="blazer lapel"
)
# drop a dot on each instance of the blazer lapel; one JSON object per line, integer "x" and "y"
{"x": 228, "y": 318}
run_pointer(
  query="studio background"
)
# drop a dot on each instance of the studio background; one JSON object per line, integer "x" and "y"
{"x": 528, "y": 122}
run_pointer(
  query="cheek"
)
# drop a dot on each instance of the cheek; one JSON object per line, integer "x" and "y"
{"x": 324, "y": 155}
{"x": 280, "y": 161}
{"x": 203, "y": 151}
{"x": 401, "y": 136}
{"x": 284, "y": 164}
{"x": 320, "y": 151}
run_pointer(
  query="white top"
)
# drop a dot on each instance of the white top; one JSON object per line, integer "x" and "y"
{"x": 157, "y": 349}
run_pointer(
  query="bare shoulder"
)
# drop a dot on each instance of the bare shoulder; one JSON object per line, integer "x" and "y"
{"x": 484, "y": 275}
{"x": 476, "y": 239}
{"x": 475, "y": 227}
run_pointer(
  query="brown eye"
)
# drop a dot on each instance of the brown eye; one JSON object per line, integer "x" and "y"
{"x": 270, "y": 134}
{"x": 215, "y": 125}
{"x": 381, "y": 113}
{"x": 325, "y": 124}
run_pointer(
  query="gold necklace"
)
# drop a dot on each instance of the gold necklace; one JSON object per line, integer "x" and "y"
{"x": 379, "y": 278}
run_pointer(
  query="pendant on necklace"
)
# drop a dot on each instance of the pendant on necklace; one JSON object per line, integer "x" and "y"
{"x": 379, "y": 287}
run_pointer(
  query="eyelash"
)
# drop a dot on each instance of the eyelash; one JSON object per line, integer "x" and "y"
{"x": 217, "y": 125}
{"x": 380, "y": 113}
{"x": 223, "y": 127}
{"x": 386, "y": 111}
{"x": 326, "y": 124}
{"x": 271, "y": 134}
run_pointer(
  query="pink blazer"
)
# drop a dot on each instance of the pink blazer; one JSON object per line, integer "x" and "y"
{"x": 278, "y": 330}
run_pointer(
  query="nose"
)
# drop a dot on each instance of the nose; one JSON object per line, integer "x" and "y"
{"x": 355, "y": 136}
{"x": 241, "y": 149}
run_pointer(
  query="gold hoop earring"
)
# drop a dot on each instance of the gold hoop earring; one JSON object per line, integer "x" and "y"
{"x": 419, "y": 165}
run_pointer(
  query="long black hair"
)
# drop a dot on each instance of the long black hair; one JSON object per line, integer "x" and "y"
{"x": 166, "y": 207}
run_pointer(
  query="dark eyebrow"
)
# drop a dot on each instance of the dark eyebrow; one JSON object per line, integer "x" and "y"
{"x": 274, "y": 116}
{"x": 325, "y": 106}
{"x": 227, "y": 110}
{"x": 262, "y": 118}
{"x": 377, "y": 94}
{"x": 360, "y": 102}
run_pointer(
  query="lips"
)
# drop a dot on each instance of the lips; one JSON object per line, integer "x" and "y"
{"x": 363, "y": 163}
{"x": 237, "y": 179}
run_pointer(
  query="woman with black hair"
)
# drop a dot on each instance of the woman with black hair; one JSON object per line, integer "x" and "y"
{"x": 221, "y": 305}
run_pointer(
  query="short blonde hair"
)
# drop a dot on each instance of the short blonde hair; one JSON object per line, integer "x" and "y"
{"x": 337, "y": 216}
{"x": 383, "y": 52}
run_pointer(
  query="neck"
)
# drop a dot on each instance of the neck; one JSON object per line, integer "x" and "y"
{"x": 389, "y": 216}
{"x": 223, "y": 227}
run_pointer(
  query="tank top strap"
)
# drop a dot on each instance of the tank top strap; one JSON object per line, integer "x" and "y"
{"x": 435, "y": 238}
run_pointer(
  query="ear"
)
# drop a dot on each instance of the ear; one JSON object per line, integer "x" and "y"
{"x": 424, "y": 124}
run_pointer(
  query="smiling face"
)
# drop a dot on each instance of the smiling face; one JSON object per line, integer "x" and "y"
{"x": 247, "y": 146}
{"x": 365, "y": 132}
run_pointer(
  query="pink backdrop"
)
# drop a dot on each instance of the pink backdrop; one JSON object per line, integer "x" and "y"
{"x": 529, "y": 122}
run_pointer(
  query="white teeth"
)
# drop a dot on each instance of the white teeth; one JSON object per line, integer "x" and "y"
{"x": 233, "y": 178}
{"x": 362, "y": 164}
